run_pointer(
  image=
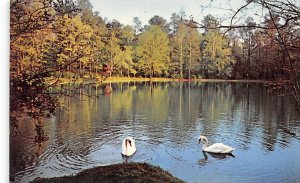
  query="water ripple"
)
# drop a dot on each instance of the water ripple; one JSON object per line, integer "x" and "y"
{"x": 166, "y": 121}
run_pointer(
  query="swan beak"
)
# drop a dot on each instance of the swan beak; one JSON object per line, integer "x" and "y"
{"x": 199, "y": 141}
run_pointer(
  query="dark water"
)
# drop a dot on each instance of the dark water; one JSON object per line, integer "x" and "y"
{"x": 166, "y": 120}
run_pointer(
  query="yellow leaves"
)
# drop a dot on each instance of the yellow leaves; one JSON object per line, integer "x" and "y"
{"x": 153, "y": 49}
{"x": 87, "y": 31}
{"x": 217, "y": 50}
{"x": 73, "y": 40}
{"x": 28, "y": 51}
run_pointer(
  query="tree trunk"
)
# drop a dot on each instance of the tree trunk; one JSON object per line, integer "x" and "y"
{"x": 181, "y": 58}
{"x": 249, "y": 54}
{"x": 190, "y": 61}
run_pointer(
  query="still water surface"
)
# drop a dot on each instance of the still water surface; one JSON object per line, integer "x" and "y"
{"x": 166, "y": 120}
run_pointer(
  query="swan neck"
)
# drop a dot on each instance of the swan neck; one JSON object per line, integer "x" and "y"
{"x": 205, "y": 144}
{"x": 126, "y": 146}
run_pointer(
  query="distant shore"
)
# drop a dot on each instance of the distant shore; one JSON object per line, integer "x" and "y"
{"x": 87, "y": 80}
{"x": 129, "y": 79}
{"x": 123, "y": 172}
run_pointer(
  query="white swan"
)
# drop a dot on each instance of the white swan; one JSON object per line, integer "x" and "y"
{"x": 214, "y": 148}
{"x": 128, "y": 146}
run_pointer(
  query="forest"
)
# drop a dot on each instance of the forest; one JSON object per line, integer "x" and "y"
{"x": 52, "y": 40}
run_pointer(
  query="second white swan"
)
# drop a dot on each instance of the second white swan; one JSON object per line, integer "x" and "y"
{"x": 214, "y": 148}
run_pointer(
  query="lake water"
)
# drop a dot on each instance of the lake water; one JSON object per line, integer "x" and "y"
{"x": 166, "y": 120}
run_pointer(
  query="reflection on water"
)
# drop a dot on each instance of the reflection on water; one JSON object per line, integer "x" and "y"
{"x": 204, "y": 160}
{"x": 166, "y": 120}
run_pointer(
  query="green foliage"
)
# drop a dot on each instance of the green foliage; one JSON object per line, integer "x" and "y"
{"x": 72, "y": 42}
{"x": 185, "y": 49}
{"x": 113, "y": 48}
{"x": 153, "y": 52}
{"x": 127, "y": 35}
{"x": 124, "y": 63}
{"x": 192, "y": 50}
{"x": 179, "y": 46}
{"x": 217, "y": 53}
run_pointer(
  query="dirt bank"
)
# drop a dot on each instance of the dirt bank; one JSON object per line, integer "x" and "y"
{"x": 124, "y": 172}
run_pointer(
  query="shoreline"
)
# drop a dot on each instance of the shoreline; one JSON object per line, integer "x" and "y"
{"x": 130, "y": 79}
{"x": 96, "y": 80}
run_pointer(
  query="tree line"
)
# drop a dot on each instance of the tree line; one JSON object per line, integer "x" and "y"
{"x": 70, "y": 43}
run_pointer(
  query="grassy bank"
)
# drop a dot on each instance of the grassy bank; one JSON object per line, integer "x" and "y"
{"x": 124, "y": 172}
{"x": 130, "y": 79}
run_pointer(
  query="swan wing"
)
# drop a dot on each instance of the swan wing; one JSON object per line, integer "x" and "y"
{"x": 219, "y": 148}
